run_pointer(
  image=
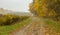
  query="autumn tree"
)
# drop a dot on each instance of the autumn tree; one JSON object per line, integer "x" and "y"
{"x": 45, "y": 8}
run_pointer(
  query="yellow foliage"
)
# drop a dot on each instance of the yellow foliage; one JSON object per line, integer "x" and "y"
{"x": 45, "y": 7}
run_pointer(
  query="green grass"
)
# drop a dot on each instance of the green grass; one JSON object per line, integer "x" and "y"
{"x": 4, "y": 30}
{"x": 53, "y": 25}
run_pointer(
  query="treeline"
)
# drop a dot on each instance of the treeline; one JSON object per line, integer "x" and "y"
{"x": 46, "y": 8}
{"x": 9, "y": 19}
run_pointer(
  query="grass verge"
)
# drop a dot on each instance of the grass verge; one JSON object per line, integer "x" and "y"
{"x": 53, "y": 25}
{"x": 4, "y": 30}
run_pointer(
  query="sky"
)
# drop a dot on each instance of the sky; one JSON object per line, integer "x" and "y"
{"x": 15, "y": 5}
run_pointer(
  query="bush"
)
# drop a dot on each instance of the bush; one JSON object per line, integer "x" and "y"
{"x": 11, "y": 19}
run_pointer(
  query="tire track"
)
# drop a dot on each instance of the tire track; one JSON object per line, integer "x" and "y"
{"x": 36, "y": 27}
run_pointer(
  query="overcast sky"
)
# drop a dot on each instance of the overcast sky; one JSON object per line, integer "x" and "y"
{"x": 15, "y": 5}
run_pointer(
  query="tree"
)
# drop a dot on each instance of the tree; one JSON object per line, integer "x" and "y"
{"x": 45, "y": 8}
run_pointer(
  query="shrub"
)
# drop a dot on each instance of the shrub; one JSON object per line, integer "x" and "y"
{"x": 9, "y": 19}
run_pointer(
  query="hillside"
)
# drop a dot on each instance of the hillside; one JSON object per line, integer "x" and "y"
{"x": 4, "y": 11}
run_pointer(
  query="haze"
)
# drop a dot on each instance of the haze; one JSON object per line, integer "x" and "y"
{"x": 15, "y": 5}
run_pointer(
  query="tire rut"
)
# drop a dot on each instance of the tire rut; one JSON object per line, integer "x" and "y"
{"x": 36, "y": 27}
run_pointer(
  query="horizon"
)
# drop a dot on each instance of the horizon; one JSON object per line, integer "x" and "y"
{"x": 15, "y": 5}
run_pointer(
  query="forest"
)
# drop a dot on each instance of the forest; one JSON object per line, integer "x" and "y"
{"x": 46, "y": 9}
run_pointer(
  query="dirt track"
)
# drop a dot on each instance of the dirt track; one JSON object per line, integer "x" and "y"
{"x": 36, "y": 27}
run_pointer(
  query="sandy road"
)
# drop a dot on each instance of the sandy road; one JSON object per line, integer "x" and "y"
{"x": 36, "y": 27}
